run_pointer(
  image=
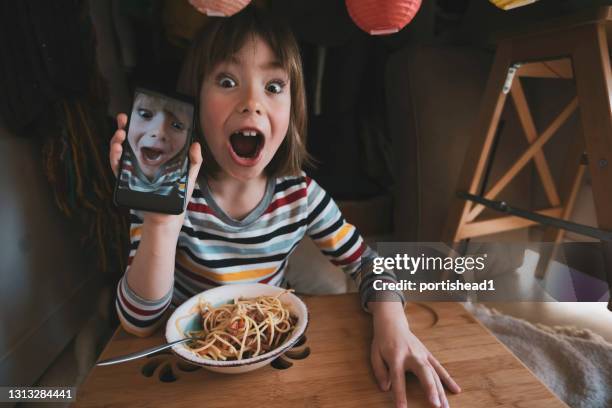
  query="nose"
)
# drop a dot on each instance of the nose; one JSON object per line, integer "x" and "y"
{"x": 250, "y": 103}
{"x": 158, "y": 127}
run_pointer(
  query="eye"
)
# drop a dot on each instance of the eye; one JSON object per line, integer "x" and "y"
{"x": 225, "y": 81}
{"x": 145, "y": 113}
{"x": 275, "y": 86}
{"x": 177, "y": 125}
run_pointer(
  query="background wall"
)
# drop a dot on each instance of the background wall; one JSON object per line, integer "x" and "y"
{"x": 48, "y": 289}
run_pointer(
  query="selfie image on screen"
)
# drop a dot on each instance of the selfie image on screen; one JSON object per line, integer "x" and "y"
{"x": 155, "y": 158}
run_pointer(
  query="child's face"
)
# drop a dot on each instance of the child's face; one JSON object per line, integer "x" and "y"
{"x": 244, "y": 110}
{"x": 157, "y": 133}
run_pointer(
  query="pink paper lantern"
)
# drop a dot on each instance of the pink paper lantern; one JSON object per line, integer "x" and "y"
{"x": 379, "y": 17}
{"x": 219, "y": 8}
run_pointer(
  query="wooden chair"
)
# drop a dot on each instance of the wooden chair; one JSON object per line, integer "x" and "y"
{"x": 572, "y": 47}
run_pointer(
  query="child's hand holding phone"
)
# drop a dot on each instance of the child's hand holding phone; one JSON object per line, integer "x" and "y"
{"x": 195, "y": 161}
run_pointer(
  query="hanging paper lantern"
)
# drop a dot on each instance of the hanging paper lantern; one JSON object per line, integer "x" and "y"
{"x": 511, "y": 4}
{"x": 379, "y": 17}
{"x": 219, "y": 8}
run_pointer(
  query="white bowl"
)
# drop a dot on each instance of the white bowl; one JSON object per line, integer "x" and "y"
{"x": 222, "y": 295}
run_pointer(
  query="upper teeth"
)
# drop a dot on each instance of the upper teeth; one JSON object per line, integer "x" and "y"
{"x": 249, "y": 133}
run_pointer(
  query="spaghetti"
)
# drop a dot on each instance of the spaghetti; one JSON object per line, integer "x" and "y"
{"x": 242, "y": 329}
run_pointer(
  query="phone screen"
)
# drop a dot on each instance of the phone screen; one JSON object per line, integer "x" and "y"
{"x": 155, "y": 160}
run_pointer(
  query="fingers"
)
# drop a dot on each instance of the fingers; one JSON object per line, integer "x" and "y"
{"x": 195, "y": 162}
{"x": 380, "y": 370}
{"x": 426, "y": 376}
{"x": 195, "y": 154}
{"x": 441, "y": 393}
{"x": 444, "y": 375}
{"x": 398, "y": 384}
{"x": 116, "y": 149}
{"x": 121, "y": 120}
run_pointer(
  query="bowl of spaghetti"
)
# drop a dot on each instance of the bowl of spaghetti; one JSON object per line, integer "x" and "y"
{"x": 237, "y": 328}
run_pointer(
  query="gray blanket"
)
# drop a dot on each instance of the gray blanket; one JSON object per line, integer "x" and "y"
{"x": 575, "y": 364}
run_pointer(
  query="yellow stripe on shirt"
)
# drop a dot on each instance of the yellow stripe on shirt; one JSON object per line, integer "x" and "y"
{"x": 333, "y": 241}
{"x": 222, "y": 277}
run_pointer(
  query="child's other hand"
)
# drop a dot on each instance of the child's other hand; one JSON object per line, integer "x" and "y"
{"x": 395, "y": 350}
{"x": 116, "y": 147}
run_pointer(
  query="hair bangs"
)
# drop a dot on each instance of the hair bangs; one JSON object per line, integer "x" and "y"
{"x": 231, "y": 36}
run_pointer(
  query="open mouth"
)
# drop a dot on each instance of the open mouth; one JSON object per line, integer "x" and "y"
{"x": 151, "y": 154}
{"x": 247, "y": 144}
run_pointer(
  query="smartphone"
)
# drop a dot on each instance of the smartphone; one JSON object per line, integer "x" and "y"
{"x": 153, "y": 171}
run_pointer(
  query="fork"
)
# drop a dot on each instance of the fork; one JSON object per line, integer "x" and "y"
{"x": 143, "y": 353}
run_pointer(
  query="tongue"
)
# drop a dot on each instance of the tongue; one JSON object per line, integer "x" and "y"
{"x": 151, "y": 154}
{"x": 244, "y": 146}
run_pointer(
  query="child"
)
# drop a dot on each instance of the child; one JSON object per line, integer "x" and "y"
{"x": 250, "y": 203}
{"x": 157, "y": 139}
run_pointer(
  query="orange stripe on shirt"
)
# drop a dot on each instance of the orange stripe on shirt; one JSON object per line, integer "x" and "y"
{"x": 135, "y": 232}
{"x": 223, "y": 277}
{"x": 333, "y": 241}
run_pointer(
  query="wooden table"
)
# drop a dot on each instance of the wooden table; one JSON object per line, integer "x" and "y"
{"x": 330, "y": 369}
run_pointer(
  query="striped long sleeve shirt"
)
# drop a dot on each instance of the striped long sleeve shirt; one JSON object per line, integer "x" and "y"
{"x": 214, "y": 249}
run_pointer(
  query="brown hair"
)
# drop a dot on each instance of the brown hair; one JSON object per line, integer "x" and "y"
{"x": 218, "y": 42}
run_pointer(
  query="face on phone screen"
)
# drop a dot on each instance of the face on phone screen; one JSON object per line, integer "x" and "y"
{"x": 155, "y": 156}
{"x": 158, "y": 133}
